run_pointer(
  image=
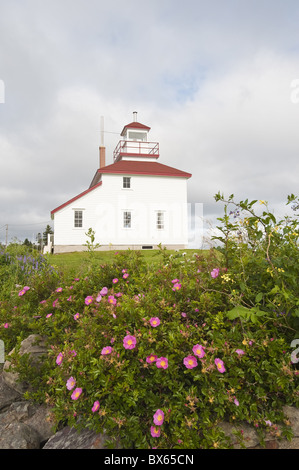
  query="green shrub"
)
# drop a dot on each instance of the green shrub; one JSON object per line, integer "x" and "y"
{"x": 195, "y": 341}
{"x": 261, "y": 255}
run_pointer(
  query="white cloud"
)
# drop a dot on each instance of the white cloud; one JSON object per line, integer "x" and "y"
{"x": 213, "y": 80}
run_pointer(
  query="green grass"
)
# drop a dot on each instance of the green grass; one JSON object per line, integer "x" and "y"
{"x": 71, "y": 264}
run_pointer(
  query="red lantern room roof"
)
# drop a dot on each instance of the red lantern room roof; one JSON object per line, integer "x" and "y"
{"x": 134, "y": 125}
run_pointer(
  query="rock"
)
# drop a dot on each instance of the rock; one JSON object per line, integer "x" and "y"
{"x": 35, "y": 346}
{"x": 248, "y": 433}
{"x": 17, "y": 411}
{"x": 18, "y": 436}
{"x": 285, "y": 444}
{"x": 7, "y": 394}
{"x": 70, "y": 438}
{"x": 40, "y": 420}
{"x": 272, "y": 444}
{"x": 251, "y": 439}
{"x": 33, "y": 415}
{"x": 292, "y": 414}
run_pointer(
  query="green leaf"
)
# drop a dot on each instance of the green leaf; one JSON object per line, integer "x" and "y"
{"x": 245, "y": 313}
{"x": 259, "y": 297}
{"x": 275, "y": 290}
{"x": 237, "y": 312}
{"x": 253, "y": 318}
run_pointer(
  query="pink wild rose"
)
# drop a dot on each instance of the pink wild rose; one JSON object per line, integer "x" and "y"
{"x": 220, "y": 365}
{"x": 111, "y": 300}
{"x": 155, "y": 432}
{"x": 88, "y": 300}
{"x": 215, "y": 273}
{"x": 76, "y": 393}
{"x": 190, "y": 362}
{"x": 106, "y": 350}
{"x": 71, "y": 382}
{"x": 59, "y": 359}
{"x": 96, "y": 406}
{"x": 151, "y": 358}
{"x": 198, "y": 350}
{"x": 129, "y": 342}
{"x": 162, "y": 363}
{"x": 154, "y": 321}
{"x": 158, "y": 417}
{"x": 176, "y": 286}
{"x": 240, "y": 352}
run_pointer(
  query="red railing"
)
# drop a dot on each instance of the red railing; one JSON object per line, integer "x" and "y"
{"x": 131, "y": 147}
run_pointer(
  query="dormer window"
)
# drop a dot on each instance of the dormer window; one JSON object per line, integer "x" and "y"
{"x": 126, "y": 182}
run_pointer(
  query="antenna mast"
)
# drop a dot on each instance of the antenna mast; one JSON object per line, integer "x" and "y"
{"x": 102, "y": 131}
{"x": 102, "y": 146}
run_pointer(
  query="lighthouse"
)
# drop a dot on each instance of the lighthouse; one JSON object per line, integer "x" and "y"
{"x": 136, "y": 202}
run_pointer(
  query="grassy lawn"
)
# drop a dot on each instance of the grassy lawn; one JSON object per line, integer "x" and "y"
{"x": 77, "y": 262}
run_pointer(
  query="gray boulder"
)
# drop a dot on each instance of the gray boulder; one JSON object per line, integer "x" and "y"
{"x": 7, "y": 395}
{"x": 35, "y": 346}
{"x": 18, "y": 436}
{"x": 70, "y": 438}
{"x": 24, "y": 425}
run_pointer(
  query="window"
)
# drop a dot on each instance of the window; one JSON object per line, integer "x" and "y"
{"x": 126, "y": 182}
{"x": 127, "y": 219}
{"x": 78, "y": 219}
{"x": 160, "y": 220}
{"x": 141, "y": 136}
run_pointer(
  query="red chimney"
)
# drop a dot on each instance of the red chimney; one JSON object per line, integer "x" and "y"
{"x": 102, "y": 156}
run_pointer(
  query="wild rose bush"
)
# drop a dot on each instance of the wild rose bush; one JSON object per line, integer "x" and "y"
{"x": 262, "y": 262}
{"x": 159, "y": 357}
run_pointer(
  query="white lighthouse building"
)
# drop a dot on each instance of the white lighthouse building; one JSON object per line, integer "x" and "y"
{"x": 135, "y": 202}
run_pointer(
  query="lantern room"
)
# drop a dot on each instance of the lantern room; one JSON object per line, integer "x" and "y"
{"x": 135, "y": 143}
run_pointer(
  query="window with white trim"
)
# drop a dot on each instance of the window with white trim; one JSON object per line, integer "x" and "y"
{"x": 78, "y": 219}
{"x": 127, "y": 219}
{"x": 160, "y": 220}
{"x": 126, "y": 182}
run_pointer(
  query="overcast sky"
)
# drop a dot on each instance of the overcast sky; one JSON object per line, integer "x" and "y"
{"x": 216, "y": 80}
